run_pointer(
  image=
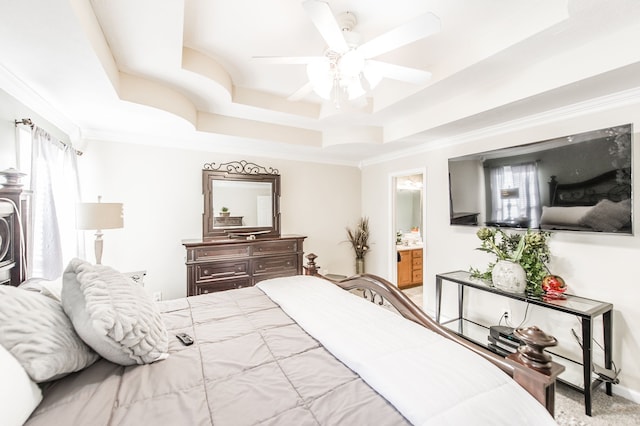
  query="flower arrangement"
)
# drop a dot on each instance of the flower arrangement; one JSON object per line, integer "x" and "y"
{"x": 529, "y": 249}
{"x": 359, "y": 237}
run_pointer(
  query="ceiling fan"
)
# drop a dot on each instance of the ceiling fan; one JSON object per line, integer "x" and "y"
{"x": 347, "y": 70}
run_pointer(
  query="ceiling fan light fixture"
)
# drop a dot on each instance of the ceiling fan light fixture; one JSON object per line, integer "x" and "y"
{"x": 351, "y": 63}
{"x": 372, "y": 76}
{"x": 355, "y": 90}
{"x": 320, "y": 75}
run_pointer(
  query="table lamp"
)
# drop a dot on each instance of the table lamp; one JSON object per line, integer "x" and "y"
{"x": 509, "y": 194}
{"x": 99, "y": 216}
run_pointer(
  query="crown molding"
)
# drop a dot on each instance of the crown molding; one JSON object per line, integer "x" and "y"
{"x": 24, "y": 94}
{"x": 614, "y": 100}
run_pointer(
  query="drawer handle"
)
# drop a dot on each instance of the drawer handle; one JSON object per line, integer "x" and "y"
{"x": 205, "y": 292}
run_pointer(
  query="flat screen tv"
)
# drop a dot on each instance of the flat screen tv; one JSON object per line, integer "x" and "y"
{"x": 580, "y": 182}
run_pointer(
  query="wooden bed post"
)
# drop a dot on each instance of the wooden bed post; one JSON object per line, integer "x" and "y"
{"x": 311, "y": 268}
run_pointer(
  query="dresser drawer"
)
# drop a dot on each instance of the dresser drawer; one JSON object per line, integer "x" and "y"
{"x": 417, "y": 276}
{"x": 417, "y": 253}
{"x": 216, "y": 252}
{"x": 218, "y": 270}
{"x": 417, "y": 262}
{"x": 222, "y": 285}
{"x": 274, "y": 247}
{"x": 275, "y": 265}
{"x": 219, "y": 265}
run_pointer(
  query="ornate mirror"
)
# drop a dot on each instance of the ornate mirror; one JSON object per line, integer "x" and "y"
{"x": 241, "y": 200}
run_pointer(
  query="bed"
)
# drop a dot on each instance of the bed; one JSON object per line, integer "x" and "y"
{"x": 600, "y": 204}
{"x": 294, "y": 350}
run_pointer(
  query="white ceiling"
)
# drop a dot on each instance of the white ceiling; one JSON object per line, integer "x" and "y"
{"x": 182, "y": 73}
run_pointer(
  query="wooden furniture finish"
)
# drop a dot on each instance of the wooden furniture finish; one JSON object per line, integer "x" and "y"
{"x": 464, "y": 218}
{"x": 13, "y": 270}
{"x": 219, "y": 265}
{"x": 225, "y": 227}
{"x": 409, "y": 268}
{"x": 227, "y": 221}
{"x": 585, "y": 309}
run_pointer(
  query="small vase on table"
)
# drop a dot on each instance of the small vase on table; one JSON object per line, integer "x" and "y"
{"x": 509, "y": 276}
{"x": 359, "y": 265}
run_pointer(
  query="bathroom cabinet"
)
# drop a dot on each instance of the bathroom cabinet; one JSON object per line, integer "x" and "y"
{"x": 409, "y": 267}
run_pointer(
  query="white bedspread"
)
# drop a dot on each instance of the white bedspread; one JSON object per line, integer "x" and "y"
{"x": 429, "y": 379}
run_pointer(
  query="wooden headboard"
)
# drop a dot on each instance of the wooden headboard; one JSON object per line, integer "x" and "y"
{"x": 613, "y": 185}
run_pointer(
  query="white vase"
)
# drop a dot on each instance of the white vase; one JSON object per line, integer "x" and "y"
{"x": 509, "y": 276}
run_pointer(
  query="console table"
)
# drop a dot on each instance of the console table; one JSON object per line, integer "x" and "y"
{"x": 585, "y": 309}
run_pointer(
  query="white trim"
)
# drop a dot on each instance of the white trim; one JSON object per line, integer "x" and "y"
{"x": 627, "y": 97}
{"x": 393, "y": 264}
{"x": 23, "y": 94}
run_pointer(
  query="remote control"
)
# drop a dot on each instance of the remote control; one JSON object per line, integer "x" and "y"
{"x": 185, "y": 339}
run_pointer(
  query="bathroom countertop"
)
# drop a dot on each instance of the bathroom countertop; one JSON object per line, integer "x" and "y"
{"x": 401, "y": 247}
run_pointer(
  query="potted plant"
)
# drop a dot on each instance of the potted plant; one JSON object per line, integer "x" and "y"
{"x": 224, "y": 212}
{"x": 528, "y": 251}
{"x": 359, "y": 238}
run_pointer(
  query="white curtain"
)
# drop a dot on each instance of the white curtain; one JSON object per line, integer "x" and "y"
{"x": 527, "y": 205}
{"x": 54, "y": 182}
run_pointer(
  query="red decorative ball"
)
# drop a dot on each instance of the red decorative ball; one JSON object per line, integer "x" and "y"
{"x": 554, "y": 286}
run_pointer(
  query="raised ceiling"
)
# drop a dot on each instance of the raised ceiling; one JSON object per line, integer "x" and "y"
{"x": 182, "y": 73}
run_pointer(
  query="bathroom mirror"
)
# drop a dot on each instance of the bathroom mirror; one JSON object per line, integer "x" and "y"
{"x": 580, "y": 182}
{"x": 241, "y": 200}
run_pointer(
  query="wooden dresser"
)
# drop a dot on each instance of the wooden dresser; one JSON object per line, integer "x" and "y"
{"x": 218, "y": 265}
{"x": 409, "y": 267}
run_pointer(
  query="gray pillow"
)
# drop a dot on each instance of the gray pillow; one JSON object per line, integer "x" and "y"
{"x": 36, "y": 331}
{"x": 608, "y": 216}
{"x": 113, "y": 314}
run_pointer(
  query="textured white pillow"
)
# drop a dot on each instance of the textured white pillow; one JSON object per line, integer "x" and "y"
{"x": 113, "y": 315}
{"x": 36, "y": 331}
{"x": 608, "y": 216}
{"x": 18, "y": 393}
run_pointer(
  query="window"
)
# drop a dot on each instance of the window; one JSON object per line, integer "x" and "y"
{"x": 515, "y": 194}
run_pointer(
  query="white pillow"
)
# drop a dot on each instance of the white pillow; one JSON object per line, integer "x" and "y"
{"x": 570, "y": 215}
{"x": 51, "y": 289}
{"x": 36, "y": 331}
{"x": 18, "y": 393}
{"x": 608, "y": 216}
{"x": 113, "y": 314}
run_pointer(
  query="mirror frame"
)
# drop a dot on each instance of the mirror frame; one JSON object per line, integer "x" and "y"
{"x": 240, "y": 171}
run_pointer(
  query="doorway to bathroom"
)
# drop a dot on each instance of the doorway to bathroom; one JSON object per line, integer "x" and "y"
{"x": 408, "y": 189}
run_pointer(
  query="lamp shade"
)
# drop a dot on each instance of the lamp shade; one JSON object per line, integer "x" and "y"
{"x": 99, "y": 216}
{"x": 509, "y": 193}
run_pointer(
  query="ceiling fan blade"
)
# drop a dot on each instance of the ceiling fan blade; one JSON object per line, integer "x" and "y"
{"x": 416, "y": 29}
{"x": 286, "y": 59}
{"x": 301, "y": 92}
{"x": 322, "y": 17}
{"x": 400, "y": 73}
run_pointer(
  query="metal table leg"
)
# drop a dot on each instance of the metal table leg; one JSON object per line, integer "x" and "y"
{"x": 607, "y": 320}
{"x": 587, "y": 336}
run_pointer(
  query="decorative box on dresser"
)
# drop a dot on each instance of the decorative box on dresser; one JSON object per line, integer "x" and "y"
{"x": 217, "y": 265}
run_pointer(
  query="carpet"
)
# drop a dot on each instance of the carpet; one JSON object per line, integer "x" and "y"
{"x": 606, "y": 410}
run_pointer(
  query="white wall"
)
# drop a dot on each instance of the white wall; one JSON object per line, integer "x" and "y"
{"x": 602, "y": 267}
{"x": 162, "y": 194}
